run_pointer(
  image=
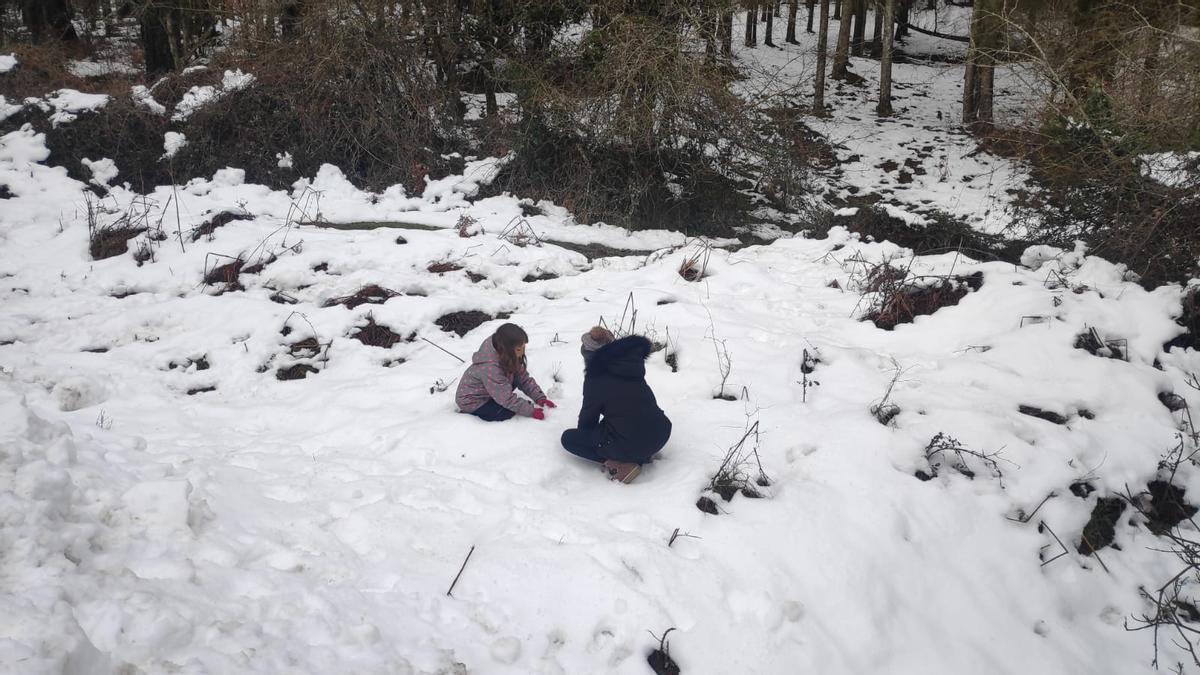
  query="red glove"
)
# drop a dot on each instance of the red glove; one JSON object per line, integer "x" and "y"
{"x": 547, "y": 402}
{"x": 538, "y": 414}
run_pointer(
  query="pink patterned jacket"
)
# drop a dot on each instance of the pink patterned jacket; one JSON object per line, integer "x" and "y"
{"x": 485, "y": 379}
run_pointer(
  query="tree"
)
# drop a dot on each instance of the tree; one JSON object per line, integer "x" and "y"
{"x": 791, "y": 26}
{"x": 860, "y": 27}
{"x": 48, "y": 19}
{"x": 822, "y": 50}
{"x": 769, "y": 39}
{"x": 727, "y": 33}
{"x": 841, "y": 55}
{"x": 809, "y": 4}
{"x": 884, "y": 108}
{"x": 173, "y": 31}
{"x": 751, "y": 26}
{"x": 987, "y": 26}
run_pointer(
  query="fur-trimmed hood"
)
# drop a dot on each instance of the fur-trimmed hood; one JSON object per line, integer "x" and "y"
{"x": 624, "y": 358}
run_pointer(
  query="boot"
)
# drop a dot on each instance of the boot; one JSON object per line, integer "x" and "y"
{"x": 624, "y": 472}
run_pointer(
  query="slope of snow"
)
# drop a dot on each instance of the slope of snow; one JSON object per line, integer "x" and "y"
{"x": 259, "y": 525}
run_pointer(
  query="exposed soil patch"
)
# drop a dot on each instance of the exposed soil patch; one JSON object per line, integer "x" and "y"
{"x": 662, "y": 663}
{"x": 476, "y": 278}
{"x": 95, "y": 350}
{"x": 321, "y": 267}
{"x": 222, "y": 219}
{"x": 401, "y": 240}
{"x": 225, "y": 274}
{"x": 1173, "y": 402}
{"x": 1168, "y": 507}
{"x": 461, "y": 323}
{"x": 707, "y": 505}
{"x": 1082, "y": 489}
{"x": 443, "y": 267}
{"x": 106, "y": 242}
{"x": 259, "y": 266}
{"x": 673, "y": 361}
{"x": 941, "y": 232}
{"x": 201, "y": 363}
{"x": 372, "y": 294}
{"x": 1091, "y": 342}
{"x": 283, "y": 298}
{"x": 306, "y": 348}
{"x": 1100, "y": 529}
{"x": 5, "y": 193}
{"x": 594, "y": 251}
{"x": 377, "y": 335}
{"x": 905, "y": 302}
{"x": 544, "y": 276}
{"x": 200, "y": 390}
{"x": 296, "y": 372}
{"x": 1052, "y": 417}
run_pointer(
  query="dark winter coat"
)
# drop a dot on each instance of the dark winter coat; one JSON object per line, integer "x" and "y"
{"x": 618, "y": 403}
{"x": 485, "y": 379}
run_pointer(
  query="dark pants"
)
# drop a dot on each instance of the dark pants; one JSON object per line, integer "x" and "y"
{"x": 493, "y": 412}
{"x": 597, "y": 445}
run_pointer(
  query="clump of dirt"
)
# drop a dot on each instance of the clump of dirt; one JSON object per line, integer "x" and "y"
{"x": 662, "y": 663}
{"x": 200, "y": 390}
{"x": 377, "y": 335}
{"x": 296, "y": 372}
{"x": 707, "y": 505}
{"x": 544, "y": 276}
{"x": 306, "y": 348}
{"x": 107, "y": 242}
{"x": 201, "y": 363}
{"x": 475, "y": 277}
{"x": 443, "y": 267}
{"x": 371, "y": 294}
{"x": 1082, "y": 489}
{"x": 1167, "y": 508}
{"x": 321, "y": 267}
{"x": 1101, "y": 527}
{"x": 673, "y": 361}
{"x": 1052, "y": 417}
{"x": 207, "y": 228}
{"x": 401, "y": 240}
{"x": 1173, "y": 402}
{"x": 461, "y": 323}
{"x": 282, "y": 298}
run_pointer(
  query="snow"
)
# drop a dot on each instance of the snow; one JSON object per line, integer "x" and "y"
{"x": 7, "y": 109}
{"x": 100, "y": 68}
{"x": 103, "y": 170}
{"x": 69, "y": 103}
{"x": 194, "y": 99}
{"x": 285, "y": 160}
{"x": 1173, "y": 169}
{"x": 7, "y": 62}
{"x": 173, "y": 142}
{"x": 316, "y": 525}
{"x": 201, "y": 95}
{"x": 144, "y": 99}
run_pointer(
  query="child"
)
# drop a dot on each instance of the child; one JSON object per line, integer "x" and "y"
{"x": 486, "y": 389}
{"x": 620, "y": 423}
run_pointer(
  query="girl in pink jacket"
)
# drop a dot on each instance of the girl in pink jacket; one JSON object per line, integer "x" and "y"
{"x": 486, "y": 390}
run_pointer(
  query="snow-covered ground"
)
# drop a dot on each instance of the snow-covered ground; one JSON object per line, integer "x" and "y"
{"x": 168, "y": 505}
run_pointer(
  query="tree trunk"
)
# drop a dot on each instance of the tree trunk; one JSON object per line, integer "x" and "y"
{"x": 822, "y": 49}
{"x": 860, "y": 27}
{"x": 769, "y": 36}
{"x": 154, "y": 23}
{"x": 727, "y": 34}
{"x": 877, "y": 34}
{"x": 48, "y": 20}
{"x": 809, "y": 4}
{"x": 289, "y": 18}
{"x": 986, "y": 26}
{"x": 751, "y": 25}
{"x": 841, "y": 55}
{"x": 791, "y": 26}
{"x": 884, "y": 108}
{"x": 903, "y": 11}
{"x": 837, "y": 11}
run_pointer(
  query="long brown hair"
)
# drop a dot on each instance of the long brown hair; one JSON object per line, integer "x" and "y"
{"x": 505, "y": 340}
